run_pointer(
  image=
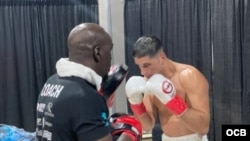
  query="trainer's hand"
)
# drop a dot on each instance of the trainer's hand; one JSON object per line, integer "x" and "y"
{"x": 112, "y": 81}
{"x": 134, "y": 89}
{"x": 125, "y": 125}
{"x": 164, "y": 90}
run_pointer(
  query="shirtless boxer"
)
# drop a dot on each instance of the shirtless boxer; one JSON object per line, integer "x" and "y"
{"x": 178, "y": 92}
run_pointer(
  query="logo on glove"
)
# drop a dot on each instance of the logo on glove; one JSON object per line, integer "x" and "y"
{"x": 167, "y": 87}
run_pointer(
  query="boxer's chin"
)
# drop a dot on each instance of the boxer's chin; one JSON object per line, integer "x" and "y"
{"x": 146, "y": 77}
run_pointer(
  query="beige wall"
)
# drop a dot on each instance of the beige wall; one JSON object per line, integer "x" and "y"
{"x": 112, "y": 19}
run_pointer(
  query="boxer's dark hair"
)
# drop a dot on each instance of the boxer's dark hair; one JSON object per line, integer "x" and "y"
{"x": 148, "y": 45}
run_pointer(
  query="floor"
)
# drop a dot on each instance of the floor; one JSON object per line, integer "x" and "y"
{"x": 147, "y": 137}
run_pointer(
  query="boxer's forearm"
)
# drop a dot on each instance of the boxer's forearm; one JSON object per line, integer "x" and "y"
{"x": 146, "y": 121}
{"x": 197, "y": 121}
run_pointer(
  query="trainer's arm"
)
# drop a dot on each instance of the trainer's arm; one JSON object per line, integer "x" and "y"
{"x": 197, "y": 117}
{"x": 106, "y": 138}
{"x": 123, "y": 137}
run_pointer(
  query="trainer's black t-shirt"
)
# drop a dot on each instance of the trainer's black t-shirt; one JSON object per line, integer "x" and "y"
{"x": 70, "y": 109}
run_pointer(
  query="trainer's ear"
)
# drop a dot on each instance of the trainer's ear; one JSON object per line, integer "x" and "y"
{"x": 96, "y": 53}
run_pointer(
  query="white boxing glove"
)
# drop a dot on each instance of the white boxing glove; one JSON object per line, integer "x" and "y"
{"x": 134, "y": 89}
{"x": 164, "y": 90}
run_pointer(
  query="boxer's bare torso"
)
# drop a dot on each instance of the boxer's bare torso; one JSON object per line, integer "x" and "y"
{"x": 171, "y": 124}
{"x": 190, "y": 84}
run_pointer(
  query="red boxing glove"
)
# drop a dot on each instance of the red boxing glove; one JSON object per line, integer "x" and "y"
{"x": 125, "y": 124}
{"x": 134, "y": 90}
{"x": 164, "y": 90}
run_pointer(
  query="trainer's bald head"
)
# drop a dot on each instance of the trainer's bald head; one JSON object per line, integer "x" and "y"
{"x": 85, "y": 37}
{"x": 86, "y": 42}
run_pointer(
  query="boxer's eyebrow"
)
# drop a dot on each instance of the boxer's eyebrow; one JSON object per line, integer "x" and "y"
{"x": 146, "y": 65}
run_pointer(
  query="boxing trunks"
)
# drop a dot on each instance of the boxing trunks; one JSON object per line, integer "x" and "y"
{"x": 191, "y": 137}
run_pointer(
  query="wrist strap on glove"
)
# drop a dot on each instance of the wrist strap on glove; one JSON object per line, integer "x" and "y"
{"x": 138, "y": 109}
{"x": 177, "y": 105}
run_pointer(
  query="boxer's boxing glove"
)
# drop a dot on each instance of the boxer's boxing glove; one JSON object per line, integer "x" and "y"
{"x": 125, "y": 124}
{"x": 134, "y": 89}
{"x": 164, "y": 90}
{"x": 112, "y": 81}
